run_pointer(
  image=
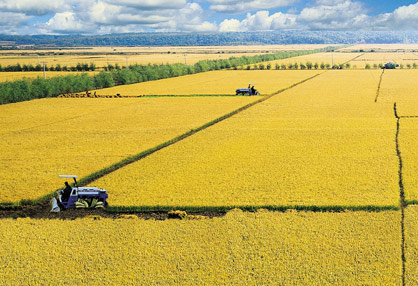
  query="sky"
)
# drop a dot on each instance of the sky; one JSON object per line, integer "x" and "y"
{"x": 92, "y": 17}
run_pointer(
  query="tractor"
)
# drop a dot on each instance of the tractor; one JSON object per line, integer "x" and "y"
{"x": 250, "y": 90}
{"x": 79, "y": 197}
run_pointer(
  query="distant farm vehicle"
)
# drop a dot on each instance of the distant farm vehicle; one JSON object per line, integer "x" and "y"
{"x": 78, "y": 197}
{"x": 250, "y": 90}
{"x": 390, "y": 66}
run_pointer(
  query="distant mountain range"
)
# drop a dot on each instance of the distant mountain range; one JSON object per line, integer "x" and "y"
{"x": 212, "y": 39}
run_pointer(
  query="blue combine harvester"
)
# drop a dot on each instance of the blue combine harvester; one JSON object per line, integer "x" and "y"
{"x": 390, "y": 66}
{"x": 250, "y": 90}
{"x": 78, "y": 197}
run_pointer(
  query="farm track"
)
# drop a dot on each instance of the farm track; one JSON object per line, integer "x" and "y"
{"x": 402, "y": 201}
{"x": 353, "y": 59}
{"x": 401, "y": 196}
{"x": 378, "y": 86}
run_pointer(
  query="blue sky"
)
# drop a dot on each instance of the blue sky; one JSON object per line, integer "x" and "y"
{"x": 123, "y": 16}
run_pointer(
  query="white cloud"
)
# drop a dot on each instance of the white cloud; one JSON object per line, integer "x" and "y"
{"x": 97, "y": 16}
{"x": 234, "y": 6}
{"x": 333, "y": 15}
{"x": 230, "y": 25}
{"x": 109, "y": 16}
{"x": 403, "y": 18}
{"x": 150, "y": 4}
{"x": 34, "y": 7}
{"x": 260, "y": 21}
{"x": 66, "y": 22}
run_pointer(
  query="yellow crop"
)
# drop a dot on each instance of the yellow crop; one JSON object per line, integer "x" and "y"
{"x": 411, "y": 241}
{"x": 326, "y": 58}
{"x": 381, "y": 47}
{"x": 239, "y": 249}
{"x": 381, "y": 58}
{"x": 212, "y": 83}
{"x": 400, "y": 86}
{"x": 11, "y": 76}
{"x": 324, "y": 142}
{"x": 408, "y": 146}
{"x": 44, "y": 138}
{"x": 102, "y": 56}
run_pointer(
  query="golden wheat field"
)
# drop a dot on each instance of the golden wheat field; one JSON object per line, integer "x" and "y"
{"x": 103, "y": 56}
{"x": 411, "y": 241}
{"x": 44, "y": 138}
{"x": 408, "y": 146}
{"x": 311, "y": 145}
{"x": 403, "y": 58}
{"x": 335, "y": 58}
{"x": 326, "y": 152}
{"x": 263, "y": 248}
{"x": 223, "y": 82}
{"x": 381, "y": 48}
{"x": 166, "y": 49}
{"x": 103, "y": 60}
{"x": 11, "y": 76}
{"x": 400, "y": 86}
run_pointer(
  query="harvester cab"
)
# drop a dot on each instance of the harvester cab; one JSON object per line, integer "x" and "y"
{"x": 250, "y": 90}
{"x": 78, "y": 197}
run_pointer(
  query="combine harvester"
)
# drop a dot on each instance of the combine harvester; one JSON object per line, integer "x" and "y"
{"x": 78, "y": 197}
{"x": 390, "y": 66}
{"x": 250, "y": 90}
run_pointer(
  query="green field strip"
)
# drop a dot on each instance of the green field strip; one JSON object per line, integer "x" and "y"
{"x": 249, "y": 208}
{"x": 131, "y": 159}
{"x": 159, "y": 95}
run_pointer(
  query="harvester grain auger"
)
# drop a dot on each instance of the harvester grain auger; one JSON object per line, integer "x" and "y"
{"x": 78, "y": 197}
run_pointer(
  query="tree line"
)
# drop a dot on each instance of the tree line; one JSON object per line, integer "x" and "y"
{"x": 31, "y": 68}
{"x": 27, "y": 89}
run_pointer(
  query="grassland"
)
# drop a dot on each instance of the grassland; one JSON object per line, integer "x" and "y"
{"x": 44, "y": 138}
{"x": 313, "y": 145}
{"x": 212, "y": 83}
{"x": 263, "y": 248}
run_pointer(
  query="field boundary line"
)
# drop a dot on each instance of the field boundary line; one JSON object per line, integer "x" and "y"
{"x": 154, "y": 95}
{"x": 134, "y": 158}
{"x": 249, "y": 208}
{"x": 378, "y": 86}
{"x": 356, "y": 57}
{"x": 402, "y": 201}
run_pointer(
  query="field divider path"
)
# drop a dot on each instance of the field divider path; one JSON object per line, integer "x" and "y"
{"x": 356, "y": 57}
{"x": 402, "y": 201}
{"x": 134, "y": 158}
{"x": 378, "y": 86}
